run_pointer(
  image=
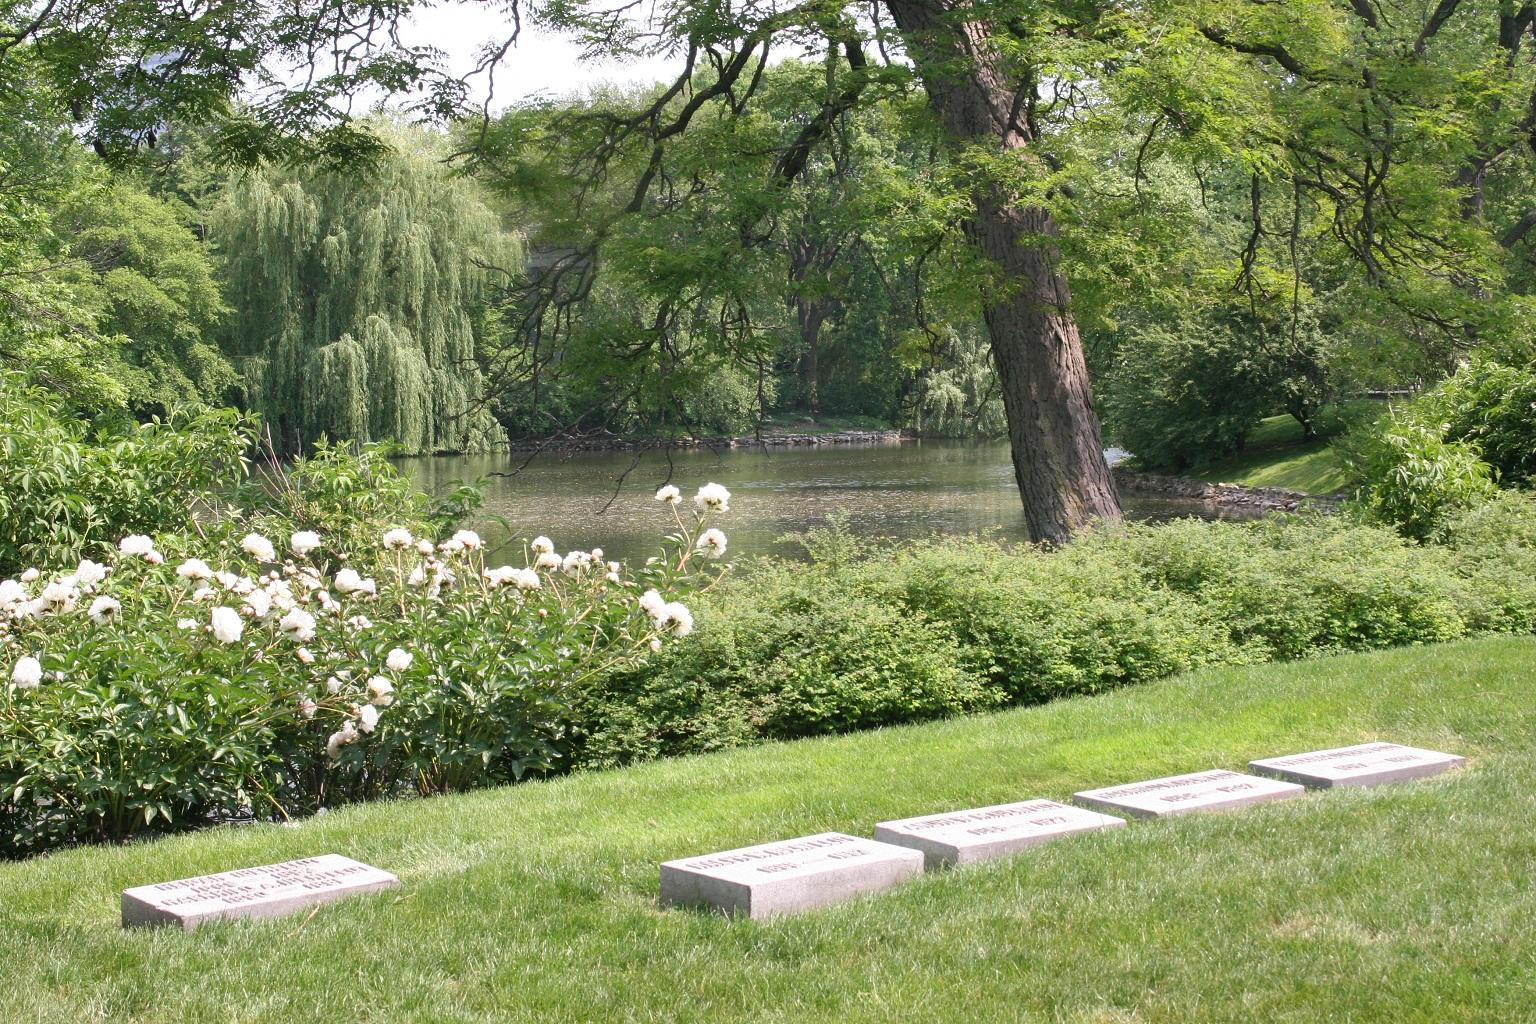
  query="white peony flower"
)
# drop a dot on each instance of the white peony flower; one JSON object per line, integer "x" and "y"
{"x": 90, "y": 573}
{"x": 500, "y": 576}
{"x": 11, "y": 593}
{"x": 349, "y": 582}
{"x": 360, "y": 622}
{"x": 655, "y": 643}
{"x": 398, "y": 539}
{"x": 186, "y": 623}
{"x": 308, "y": 707}
{"x": 711, "y": 543}
{"x": 226, "y": 625}
{"x": 333, "y": 685}
{"x": 226, "y": 579}
{"x": 469, "y": 539}
{"x": 258, "y": 547}
{"x": 204, "y": 594}
{"x": 679, "y": 618}
{"x": 614, "y": 577}
{"x": 155, "y": 558}
{"x": 669, "y": 494}
{"x": 303, "y": 542}
{"x": 136, "y": 544}
{"x": 417, "y": 577}
{"x": 424, "y": 547}
{"x": 398, "y": 660}
{"x": 527, "y": 579}
{"x": 542, "y": 546}
{"x": 304, "y": 655}
{"x": 576, "y": 563}
{"x": 547, "y": 560}
{"x": 58, "y": 596}
{"x": 259, "y": 602}
{"x": 103, "y": 609}
{"x": 381, "y": 691}
{"x": 298, "y": 624}
{"x": 342, "y": 737}
{"x": 651, "y": 602}
{"x": 367, "y": 718}
{"x": 194, "y": 569}
{"x": 27, "y": 673}
{"x": 31, "y": 576}
{"x": 712, "y": 497}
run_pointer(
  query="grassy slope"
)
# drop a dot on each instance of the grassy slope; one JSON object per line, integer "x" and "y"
{"x": 1276, "y": 456}
{"x": 536, "y": 903}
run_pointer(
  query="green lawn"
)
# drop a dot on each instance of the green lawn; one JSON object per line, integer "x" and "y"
{"x": 1276, "y": 456}
{"x": 537, "y": 903}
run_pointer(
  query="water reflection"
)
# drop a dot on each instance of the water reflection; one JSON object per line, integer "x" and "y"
{"x": 911, "y": 489}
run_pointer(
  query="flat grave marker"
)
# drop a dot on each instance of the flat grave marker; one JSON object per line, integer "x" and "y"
{"x": 267, "y": 891}
{"x": 1213, "y": 790}
{"x": 965, "y": 837}
{"x": 1365, "y": 764}
{"x": 787, "y": 876}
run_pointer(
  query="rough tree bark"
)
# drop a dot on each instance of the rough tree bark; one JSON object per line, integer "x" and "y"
{"x": 1058, "y": 451}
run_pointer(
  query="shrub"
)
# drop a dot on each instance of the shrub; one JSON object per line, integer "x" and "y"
{"x": 72, "y": 490}
{"x": 179, "y": 685}
{"x": 1413, "y": 478}
{"x": 792, "y": 649}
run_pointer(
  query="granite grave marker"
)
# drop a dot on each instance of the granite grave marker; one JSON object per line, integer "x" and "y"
{"x": 1179, "y": 794}
{"x": 787, "y": 876}
{"x": 965, "y": 837}
{"x": 1366, "y": 764}
{"x": 267, "y": 891}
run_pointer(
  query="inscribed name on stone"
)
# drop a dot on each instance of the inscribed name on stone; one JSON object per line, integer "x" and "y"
{"x": 965, "y": 837}
{"x": 788, "y": 876}
{"x": 267, "y": 891}
{"x": 1367, "y": 764}
{"x": 1179, "y": 794}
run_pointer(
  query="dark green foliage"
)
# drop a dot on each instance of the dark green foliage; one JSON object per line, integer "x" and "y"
{"x": 72, "y": 489}
{"x": 1192, "y": 391}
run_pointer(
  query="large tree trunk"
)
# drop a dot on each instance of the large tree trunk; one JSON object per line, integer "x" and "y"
{"x": 1058, "y": 453}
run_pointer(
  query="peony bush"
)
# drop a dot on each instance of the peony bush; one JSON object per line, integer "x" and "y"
{"x": 181, "y": 683}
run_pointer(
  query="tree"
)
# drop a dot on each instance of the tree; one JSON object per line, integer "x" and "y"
{"x": 362, "y": 298}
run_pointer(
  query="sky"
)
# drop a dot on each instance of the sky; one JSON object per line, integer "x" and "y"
{"x": 542, "y": 62}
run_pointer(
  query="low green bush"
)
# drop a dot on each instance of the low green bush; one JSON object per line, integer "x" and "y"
{"x": 793, "y": 649}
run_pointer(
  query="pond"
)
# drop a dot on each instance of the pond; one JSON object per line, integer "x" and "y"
{"x": 605, "y": 499}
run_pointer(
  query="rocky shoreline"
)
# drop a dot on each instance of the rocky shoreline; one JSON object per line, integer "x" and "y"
{"x": 1257, "y": 499}
{"x": 607, "y": 443}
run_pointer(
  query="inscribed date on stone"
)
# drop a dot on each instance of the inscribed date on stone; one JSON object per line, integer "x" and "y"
{"x": 964, "y": 837}
{"x": 1179, "y": 794}
{"x": 1367, "y": 764}
{"x": 267, "y": 891}
{"x": 788, "y": 876}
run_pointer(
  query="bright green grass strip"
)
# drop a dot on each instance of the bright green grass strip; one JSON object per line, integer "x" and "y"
{"x": 1276, "y": 456}
{"x": 1314, "y": 468}
{"x": 1405, "y": 903}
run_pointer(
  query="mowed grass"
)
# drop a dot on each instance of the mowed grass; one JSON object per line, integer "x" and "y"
{"x": 1276, "y": 456}
{"x": 1411, "y": 902}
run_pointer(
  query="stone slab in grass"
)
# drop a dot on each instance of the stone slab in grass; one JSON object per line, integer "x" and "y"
{"x": 1213, "y": 790}
{"x": 1366, "y": 764}
{"x": 267, "y": 891}
{"x": 965, "y": 837}
{"x": 788, "y": 876}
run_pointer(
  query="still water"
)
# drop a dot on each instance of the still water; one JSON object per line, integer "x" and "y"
{"x": 604, "y": 499}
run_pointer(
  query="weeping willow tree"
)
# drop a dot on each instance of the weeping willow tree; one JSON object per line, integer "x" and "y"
{"x": 361, "y": 299}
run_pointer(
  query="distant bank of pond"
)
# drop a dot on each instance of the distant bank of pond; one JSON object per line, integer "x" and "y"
{"x": 604, "y": 499}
